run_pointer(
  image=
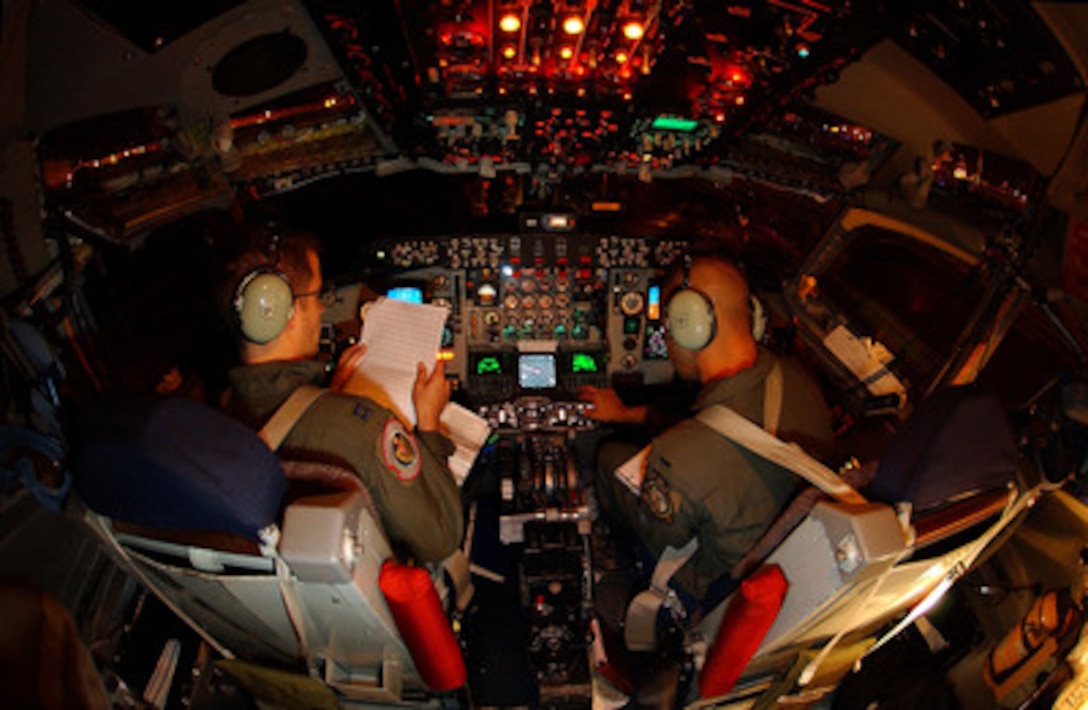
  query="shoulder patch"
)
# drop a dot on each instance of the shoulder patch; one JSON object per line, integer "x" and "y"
{"x": 657, "y": 496}
{"x": 399, "y": 451}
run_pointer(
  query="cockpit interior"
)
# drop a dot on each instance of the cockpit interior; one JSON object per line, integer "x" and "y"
{"x": 903, "y": 185}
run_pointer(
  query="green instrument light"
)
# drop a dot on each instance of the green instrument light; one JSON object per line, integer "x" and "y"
{"x": 671, "y": 123}
{"x": 488, "y": 366}
{"x": 583, "y": 362}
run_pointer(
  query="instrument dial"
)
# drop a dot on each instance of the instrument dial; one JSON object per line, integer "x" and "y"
{"x": 631, "y": 303}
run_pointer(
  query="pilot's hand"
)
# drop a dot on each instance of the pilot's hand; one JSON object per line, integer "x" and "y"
{"x": 606, "y": 406}
{"x": 346, "y": 366}
{"x": 430, "y": 395}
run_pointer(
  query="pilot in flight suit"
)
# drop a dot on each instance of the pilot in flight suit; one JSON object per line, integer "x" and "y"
{"x": 404, "y": 470}
{"x": 696, "y": 482}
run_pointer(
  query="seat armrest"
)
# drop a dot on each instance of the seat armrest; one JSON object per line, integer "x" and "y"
{"x": 323, "y": 536}
{"x": 206, "y": 539}
{"x": 945, "y": 522}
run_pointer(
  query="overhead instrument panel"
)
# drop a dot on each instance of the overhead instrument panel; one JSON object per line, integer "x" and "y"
{"x": 627, "y": 84}
{"x": 559, "y": 79}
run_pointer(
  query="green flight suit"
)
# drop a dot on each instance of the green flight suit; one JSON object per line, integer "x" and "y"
{"x": 700, "y": 484}
{"x": 405, "y": 472}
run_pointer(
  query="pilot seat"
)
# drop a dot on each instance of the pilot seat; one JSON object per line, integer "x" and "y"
{"x": 282, "y": 565}
{"x": 830, "y": 569}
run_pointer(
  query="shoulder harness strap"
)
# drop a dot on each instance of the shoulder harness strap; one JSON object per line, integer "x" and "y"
{"x": 284, "y": 419}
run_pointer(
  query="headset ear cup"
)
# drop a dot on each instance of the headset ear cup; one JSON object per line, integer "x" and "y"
{"x": 691, "y": 321}
{"x": 264, "y": 304}
{"x": 759, "y": 318}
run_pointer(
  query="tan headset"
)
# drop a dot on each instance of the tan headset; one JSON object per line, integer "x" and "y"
{"x": 263, "y": 303}
{"x": 264, "y": 300}
{"x": 689, "y": 314}
{"x": 690, "y": 319}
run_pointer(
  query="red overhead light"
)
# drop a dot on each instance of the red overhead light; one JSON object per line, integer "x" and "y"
{"x": 738, "y": 76}
{"x": 509, "y": 51}
{"x": 633, "y": 30}
{"x": 621, "y": 57}
{"x": 566, "y": 52}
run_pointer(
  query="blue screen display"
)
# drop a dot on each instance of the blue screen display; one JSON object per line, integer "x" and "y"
{"x": 410, "y": 294}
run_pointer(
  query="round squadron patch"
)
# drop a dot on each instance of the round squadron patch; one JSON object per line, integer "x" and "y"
{"x": 655, "y": 496}
{"x": 399, "y": 451}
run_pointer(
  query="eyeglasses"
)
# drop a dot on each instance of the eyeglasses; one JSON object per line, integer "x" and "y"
{"x": 327, "y": 295}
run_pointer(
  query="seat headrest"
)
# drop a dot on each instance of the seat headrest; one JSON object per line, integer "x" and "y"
{"x": 178, "y": 464}
{"x": 958, "y": 441}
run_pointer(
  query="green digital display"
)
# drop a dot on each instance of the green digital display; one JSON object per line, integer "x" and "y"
{"x": 488, "y": 366}
{"x": 671, "y": 123}
{"x": 583, "y": 362}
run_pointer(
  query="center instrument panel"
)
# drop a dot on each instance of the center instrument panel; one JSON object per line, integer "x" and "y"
{"x": 542, "y": 312}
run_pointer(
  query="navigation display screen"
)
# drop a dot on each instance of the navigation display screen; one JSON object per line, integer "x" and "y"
{"x": 536, "y": 371}
{"x": 581, "y": 363}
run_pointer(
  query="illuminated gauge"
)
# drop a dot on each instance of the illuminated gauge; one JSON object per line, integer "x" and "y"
{"x": 528, "y": 285}
{"x": 631, "y": 303}
{"x": 440, "y": 283}
{"x": 528, "y": 301}
{"x": 491, "y": 318}
{"x": 562, "y": 300}
{"x": 547, "y": 317}
{"x": 545, "y": 302}
{"x": 485, "y": 295}
{"x": 544, "y": 283}
{"x": 511, "y": 301}
{"x": 562, "y": 284}
{"x": 630, "y": 280}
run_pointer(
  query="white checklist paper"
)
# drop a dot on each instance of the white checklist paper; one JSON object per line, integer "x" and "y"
{"x": 398, "y": 336}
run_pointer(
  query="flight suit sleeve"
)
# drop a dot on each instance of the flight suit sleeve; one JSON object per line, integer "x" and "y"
{"x": 407, "y": 475}
{"x": 416, "y": 492}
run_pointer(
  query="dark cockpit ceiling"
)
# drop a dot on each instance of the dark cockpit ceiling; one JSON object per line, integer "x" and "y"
{"x": 535, "y": 97}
